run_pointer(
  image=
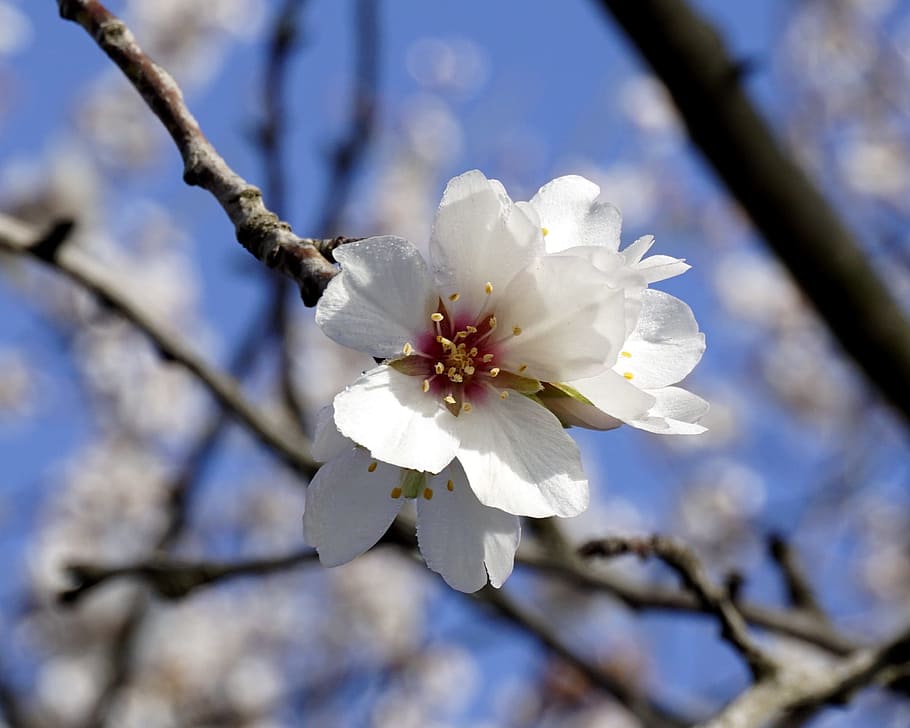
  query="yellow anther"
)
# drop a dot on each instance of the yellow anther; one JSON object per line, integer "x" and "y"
{"x": 492, "y": 322}
{"x": 629, "y": 375}
{"x": 461, "y": 335}
{"x": 516, "y": 330}
{"x": 426, "y": 385}
{"x": 396, "y": 492}
{"x": 473, "y": 351}
{"x": 504, "y": 394}
{"x": 522, "y": 368}
{"x": 488, "y": 288}
{"x": 437, "y": 317}
{"x": 428, "y": 493}
{"x": 627, "y": 354}
{"x": 450, "y": 486}
{"x": 469, "y": 369}
{"x": 439, "y": 368}
{"x": 457, "y": 378}
{"x": 471, "y": 329}
{"x": 487, "y": 358}
{"x": 466, "y": 407}
{"x": 371, "y": 468}
{"x": 407, "y": 349}
{"x": 545, "y": 231}
{"x": 454, "y": 297}
{"x": 448, "y": 399}
{"x": 451, "y": 372}
{"x": 494, "y": 372}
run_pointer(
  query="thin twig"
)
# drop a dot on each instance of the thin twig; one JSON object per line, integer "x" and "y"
{"x": 290, "y": 445}
{"x": 799, "y": 591}
{"x": 257, "y": 228}
{"x": 688, "y": 55}
{"x": 693, "y": 576}
{"x": 651, "y": 714}
{"x": 176, "y": 578}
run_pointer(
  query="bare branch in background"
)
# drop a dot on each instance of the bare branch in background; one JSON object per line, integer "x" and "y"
{"x": 173, "y": 579}
{"x": 258, "y": 229}
{"x": 688, "y": 55}
{"x": 689, "y": 569}
{"x": 799, "y": 591}
{"x": 16, "y": 237}
{"x": 799, "y": 690}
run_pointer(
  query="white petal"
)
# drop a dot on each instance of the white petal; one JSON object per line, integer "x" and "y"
{"x": 390, "y": 415}
{"x": 614, "y": 395}
{"x": 480, "y": 236}
{"x": 518, "y": 458}
{"x": 675, "y": 412}
{"x": 462, "y": 539}
{"x": 328, "y": 442}
{"x": 572, "y": 413}
{"x": 635, "y": 252}
{"x": 660, "y": 267}
{"x": 666, "y": 344}
{"x": 382, "y": 298}
{"x": 348, "y": 508}
{"x": 570, "y": 321}
{"x": 569, "y": 211}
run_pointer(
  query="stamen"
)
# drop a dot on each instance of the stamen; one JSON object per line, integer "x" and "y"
{"x": 461, "y": 335}
{"x": 516, "y": 330}
{"x": 473, "y": 351}
{"x": 626, "y": 354}
{"x": 454, "y": 297}
{"x": 471, "y": 329}
{"x": 545, "y": 231}
{"x": 488, "y": 288}
{"x": 451, "y": 372}
{"x": 371, "y": 468}
{"x": 396, "y": 492}
{"x": 487, "y": 358}
{"x": 439, "y": 368}
{"x": 492, "y": 322}
{"x": 437, "y": 317}
{"x": 457, "y": 378}
{"x": 629, "y": 375}
{"x": 522, "y": 368}
{"x": 428, "y": 493}
{"x": 426, "y": 385}
{"x": 469, "y": 369}
{"x": 504, "y": 394}
{"x": 466, "y": 407}
{"x": 450, "y": 486}
{"x": 407, "y": 349}
{"x": 449, "y": 399}
{"x": 494, "y": 372}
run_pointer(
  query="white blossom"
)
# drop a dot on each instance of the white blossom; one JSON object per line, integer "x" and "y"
{"x": 353, "y": 499}
{"x": 662, "y": 343}
{"x": 488, "y": 320}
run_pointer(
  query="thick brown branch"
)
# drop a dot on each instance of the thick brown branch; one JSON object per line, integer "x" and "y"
{"x": 798, "y": 223}
{"x": 258, "y": 229}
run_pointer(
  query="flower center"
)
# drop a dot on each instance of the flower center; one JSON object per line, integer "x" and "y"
{"x": 457, "y": 360}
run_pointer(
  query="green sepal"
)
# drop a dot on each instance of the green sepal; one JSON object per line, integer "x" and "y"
{"x": 412, "y": 482}
{"x": 413, "y": 365}
{"x": 560, "y": 389}
{"x": 522, "y": 385}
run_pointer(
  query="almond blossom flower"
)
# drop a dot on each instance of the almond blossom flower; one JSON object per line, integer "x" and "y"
{"x": 662, "y": 344}
{"x": 464, "y": 338}
{"x": 353, "y": 499}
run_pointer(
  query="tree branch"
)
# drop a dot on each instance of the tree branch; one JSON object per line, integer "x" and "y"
{"x": 175, "y": 578}
{"x": 291, "y": 446}
{"x": 693, "y": 576}
{"x": 801, "y": 690}
{"x": 258, "y": 229}
{"x": 802, "y": 229}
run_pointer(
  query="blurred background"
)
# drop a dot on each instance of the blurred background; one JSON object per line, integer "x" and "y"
{"x": 351, "y": 115}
